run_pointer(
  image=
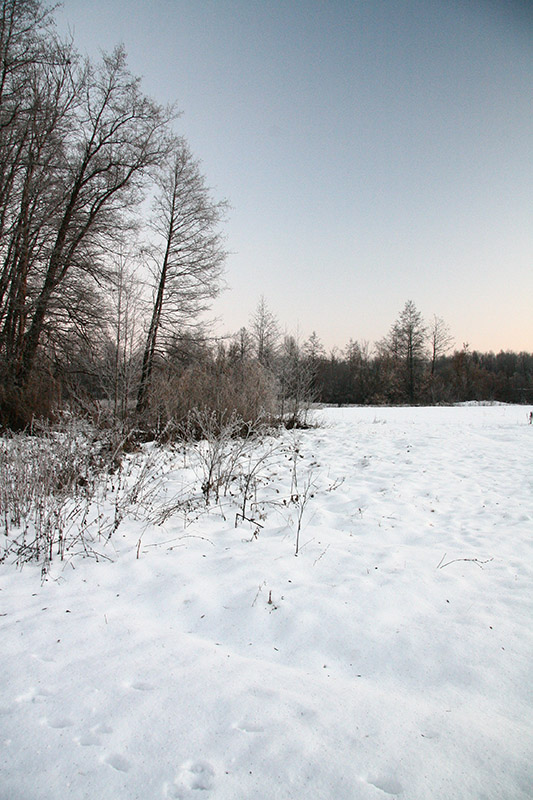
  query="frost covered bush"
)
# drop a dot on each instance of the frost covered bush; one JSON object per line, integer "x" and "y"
{"x": 245, "y": 390}
{"x": 226, "y": 461}
{"x": 67, "y": 488}
{"x": 222, "y": 445}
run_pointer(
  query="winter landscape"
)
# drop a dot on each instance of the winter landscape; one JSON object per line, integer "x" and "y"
{"x": 176, "y": 646}
{"x": 282, "y": 553}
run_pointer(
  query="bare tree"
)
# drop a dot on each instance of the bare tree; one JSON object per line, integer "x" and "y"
{"x": 406, "y": 346}
{"x": 296, "y": 382}
{"x": 265, "y": 331}
{"x": 314, "y": 351}
{"x": 241, "y": 348}
{"x": 26, "y": 44}
{"x": 123, "y": 330}
{"x": 39, "y": 93}
{"x": 441, "y": 340}
{"x": 314, "y": 355}
{"x": 119, "y": 135}
{"x": 188, "y": 255}
{"x": 357, "y": 355}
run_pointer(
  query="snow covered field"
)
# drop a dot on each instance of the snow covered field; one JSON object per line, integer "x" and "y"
{"x": 391, "y": 657}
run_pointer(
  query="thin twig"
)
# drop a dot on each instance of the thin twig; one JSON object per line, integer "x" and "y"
{"x": 323, "y": 553}
{"x": 477, "y": 561}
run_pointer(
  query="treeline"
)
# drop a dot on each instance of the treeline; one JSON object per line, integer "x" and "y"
{"x": 415, "y": 363}
{"x": 356, "y": 377}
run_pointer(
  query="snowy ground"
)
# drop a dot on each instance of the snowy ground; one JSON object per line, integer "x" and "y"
{"x": 393, "y": 659}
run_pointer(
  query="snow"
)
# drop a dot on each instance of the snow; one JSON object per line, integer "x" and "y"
{"x": 390, "y": 657}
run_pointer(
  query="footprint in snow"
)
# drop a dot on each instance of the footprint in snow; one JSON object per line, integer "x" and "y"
{"x": 60, "y": 722}
{"x": 88, "y": 740}
{"x": 249, "y": 727}
{"x": 118, "y": 762}
{"x": 386, "y": 783}
{"x": 92, "y": 737}
{"x": 430, "y": 734}
{"x": 139, "y": 686}
{"x": 193, "y": 777}
{"x": 33, "y": 695}
{"x": 101, "y": 728}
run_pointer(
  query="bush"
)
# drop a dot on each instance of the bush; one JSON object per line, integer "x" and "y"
{"x": 245, "y": 390}
{"x": 54, "y": 486}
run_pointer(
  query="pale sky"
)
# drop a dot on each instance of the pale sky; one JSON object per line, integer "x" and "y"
{"x": 372, "y": 151}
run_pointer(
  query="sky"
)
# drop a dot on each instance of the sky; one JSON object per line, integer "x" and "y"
{"x": 372, "y": 152}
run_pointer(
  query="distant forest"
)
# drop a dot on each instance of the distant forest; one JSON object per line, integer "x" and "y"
{"x": 464, "y": 375}
{"x": 111, "y": 250}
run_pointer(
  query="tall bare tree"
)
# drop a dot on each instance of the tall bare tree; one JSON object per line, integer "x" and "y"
{"x": 123, "y": 331}
{"x": 406, "y": 346}
{"x": 38, "y": 98}
{"x": 295, "y": 378}
{"x": 119, "y": 135}
{"x": 188, "y": 253}
{"x": 440, "y": 340}
{"x": 265, "y": 332}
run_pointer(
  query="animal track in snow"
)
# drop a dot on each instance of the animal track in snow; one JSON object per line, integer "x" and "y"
{"x": 249, "y": 727}
{"x": 118, "y": 762}
{"x": 142, "y": 687}
{"x": 430, "y": 734}
{"x": 88, "y": 740}
{"x": 33, "y": 695}
{"x": 387, "y": 784}
{"x": 60, "y": 722}
{"x": 139, "y": 686}
{"x": 101, "y": 728}
{"x": 92, "y": 737}
{"x": 193, "y": 777}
